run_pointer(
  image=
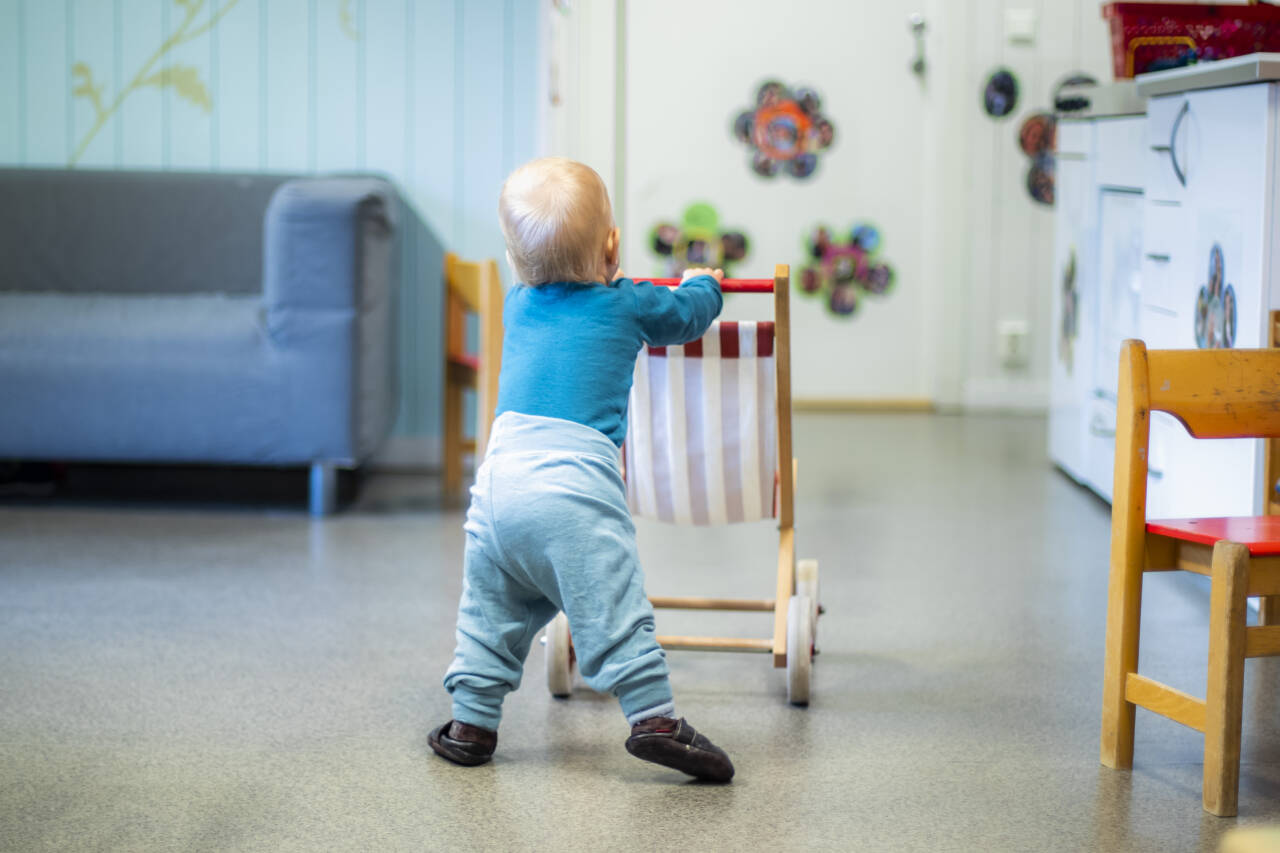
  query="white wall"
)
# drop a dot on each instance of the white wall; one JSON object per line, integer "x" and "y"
{"x": 971, "y": 247}
{"x": 1003, "y": 240}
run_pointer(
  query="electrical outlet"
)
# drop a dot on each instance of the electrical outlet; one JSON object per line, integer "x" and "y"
{"x": 1020, "y": 26}
{"x": 1011, "y": 336}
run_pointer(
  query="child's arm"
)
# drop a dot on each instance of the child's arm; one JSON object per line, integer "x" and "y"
{"x": 676, "y": 315}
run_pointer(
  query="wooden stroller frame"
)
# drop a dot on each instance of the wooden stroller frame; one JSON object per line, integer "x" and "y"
{"x": 795, "y": 605}
{"x": 776, "y": 645}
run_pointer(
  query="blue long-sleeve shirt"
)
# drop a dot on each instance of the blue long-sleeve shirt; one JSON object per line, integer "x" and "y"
{"x": 569, "y": 349}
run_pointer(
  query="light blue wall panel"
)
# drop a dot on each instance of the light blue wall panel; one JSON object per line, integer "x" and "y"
{"x": 238, "y": 144}
{"x": 335, "y": 64}
{"x": 188, "y": 107}
{"x": 11, "y": 83}
{"x": 479, "y": 162}
{"x": 385, "y": 119}
{"x": 433, "y": 98}
{"x": 288, "y": 81}
{"x": 141, "y": 114}
{"x": 45, "y": 87}
{"x": 95, "y": 54}
{"x": 523, "y": 70}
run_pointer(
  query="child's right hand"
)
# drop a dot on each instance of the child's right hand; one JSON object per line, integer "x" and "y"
{"x": 718, "y": 275}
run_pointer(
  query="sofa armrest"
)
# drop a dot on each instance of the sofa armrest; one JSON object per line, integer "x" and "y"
{"x": 326, "y": 244}
{"x": 330, "y": 277}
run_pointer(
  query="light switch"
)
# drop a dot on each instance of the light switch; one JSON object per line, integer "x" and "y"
{"x": 1020, "y": 26}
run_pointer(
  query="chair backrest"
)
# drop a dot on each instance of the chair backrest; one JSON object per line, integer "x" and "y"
{"x": 476, "y": 287}
{"x": 1222, "y": 393}
{"x": 701, "y": 443}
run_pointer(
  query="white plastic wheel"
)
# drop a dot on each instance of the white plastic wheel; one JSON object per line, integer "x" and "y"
{"x": 799, "y": 649}
{"x": 559, "y": 658}
{"x": 807, "y": 585}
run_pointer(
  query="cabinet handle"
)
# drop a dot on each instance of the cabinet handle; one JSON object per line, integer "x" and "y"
{"x": 1173, "y": 142}
{"x": 1155, "y": 473}
{"x": 1158, "y": 256}
{"x": 1098, "y": 428}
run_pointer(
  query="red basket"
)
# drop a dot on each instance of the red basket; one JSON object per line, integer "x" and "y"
{"x": 1143, "y": 34}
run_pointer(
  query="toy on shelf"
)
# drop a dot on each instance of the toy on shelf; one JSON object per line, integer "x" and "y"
{"x": 725, "y": 458}
{"x": 786, "y": 130}
{"x": 843, "y": 271}
{"x": 698, "y": 241}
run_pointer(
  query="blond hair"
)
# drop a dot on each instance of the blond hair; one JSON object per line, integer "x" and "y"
{"x": 555, "y": 217}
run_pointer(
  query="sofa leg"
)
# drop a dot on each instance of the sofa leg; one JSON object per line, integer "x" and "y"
{"x": 324, "y": 488}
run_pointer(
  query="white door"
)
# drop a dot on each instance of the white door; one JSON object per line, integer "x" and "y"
{"x": 690, "y": 74}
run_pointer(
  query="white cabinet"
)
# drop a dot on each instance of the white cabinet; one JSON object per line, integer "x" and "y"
{"x": 1171, "y": 218}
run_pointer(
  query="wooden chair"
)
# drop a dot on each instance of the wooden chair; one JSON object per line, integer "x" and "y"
{"x": 471, "y": 287}
{"x": 1215, "y": 394}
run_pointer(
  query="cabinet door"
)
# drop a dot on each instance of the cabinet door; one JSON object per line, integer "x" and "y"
{"x": 1073, "y": 306}
{"x": 1208, "y": 179}
{"x": 1120, "y": 215}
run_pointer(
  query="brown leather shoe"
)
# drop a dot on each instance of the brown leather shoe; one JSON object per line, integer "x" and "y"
{"x": 463, "y": 744}
{"x": 676, "y": 744}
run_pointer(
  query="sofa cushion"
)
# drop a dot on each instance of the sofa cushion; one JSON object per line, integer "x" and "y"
{"x": 84, "y": 231}
{"x": 197, "y": 374}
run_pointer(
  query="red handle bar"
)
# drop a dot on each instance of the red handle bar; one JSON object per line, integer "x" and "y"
{"x": 729, "y": 285}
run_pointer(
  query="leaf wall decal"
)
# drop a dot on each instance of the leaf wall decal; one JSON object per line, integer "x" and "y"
{"x": 186, "y": 81}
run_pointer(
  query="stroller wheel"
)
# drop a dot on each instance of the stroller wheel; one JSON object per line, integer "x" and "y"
{"x": 807, "y": 587}
{"x": 559, "y": 657}
{"x": 799, "y": 649}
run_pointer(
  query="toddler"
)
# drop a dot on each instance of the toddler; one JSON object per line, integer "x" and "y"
{"x": 548, "y": 528}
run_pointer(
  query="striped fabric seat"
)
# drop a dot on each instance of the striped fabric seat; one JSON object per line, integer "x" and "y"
{"x": 701, "y": 444}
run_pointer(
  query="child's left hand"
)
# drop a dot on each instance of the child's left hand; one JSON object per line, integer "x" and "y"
{"x": 692, "y": 272}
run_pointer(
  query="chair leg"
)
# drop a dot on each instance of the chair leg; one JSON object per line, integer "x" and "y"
{"x": 1124, "y": 615}
{"x": 323, "y": 496}
{"x": 1228, "y": 601}
{"x": 452, "y": 439}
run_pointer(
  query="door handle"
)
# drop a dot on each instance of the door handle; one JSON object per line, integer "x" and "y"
{"x": 1173, "y": 142}
{"x": 917, "y": 24}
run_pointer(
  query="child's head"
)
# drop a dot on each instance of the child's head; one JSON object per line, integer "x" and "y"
{"x": 558, "y": 223}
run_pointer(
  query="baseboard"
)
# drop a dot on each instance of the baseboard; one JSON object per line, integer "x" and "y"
{"x": 1029, "y": 396}
{"x": 862, "y": 404}
{"x": 408, "y": 453}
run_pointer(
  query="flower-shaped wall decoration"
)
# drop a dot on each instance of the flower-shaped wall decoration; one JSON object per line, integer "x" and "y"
{"x": 1037, "y": 137}
{"x": 843, "y": 271}
{"x": 697, "y": 241}
{"x": 786, "y": 130}
{"x": 1216, "y": 307}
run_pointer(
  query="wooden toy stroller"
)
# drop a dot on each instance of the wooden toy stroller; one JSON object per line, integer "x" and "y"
{"x": 709, "y": 433}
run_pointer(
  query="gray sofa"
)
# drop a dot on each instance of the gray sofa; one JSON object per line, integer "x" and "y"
{"x": 211, "y": 318}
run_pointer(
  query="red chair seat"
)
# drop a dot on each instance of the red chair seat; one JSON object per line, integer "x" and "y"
{"x": 466, "y": 359}
{"x": 1261, "y": 534}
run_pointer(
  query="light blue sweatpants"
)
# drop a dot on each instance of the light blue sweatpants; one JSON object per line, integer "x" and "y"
{"x": 549, "y": 530}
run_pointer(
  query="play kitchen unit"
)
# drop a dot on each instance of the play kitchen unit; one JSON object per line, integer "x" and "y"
{"x": 1167, "y": 230}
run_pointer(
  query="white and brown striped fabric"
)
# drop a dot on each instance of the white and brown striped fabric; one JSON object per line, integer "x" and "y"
{"x": 701, "y": 443}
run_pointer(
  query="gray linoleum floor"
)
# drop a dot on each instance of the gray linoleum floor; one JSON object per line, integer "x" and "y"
{"x": 195, "y": 679}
